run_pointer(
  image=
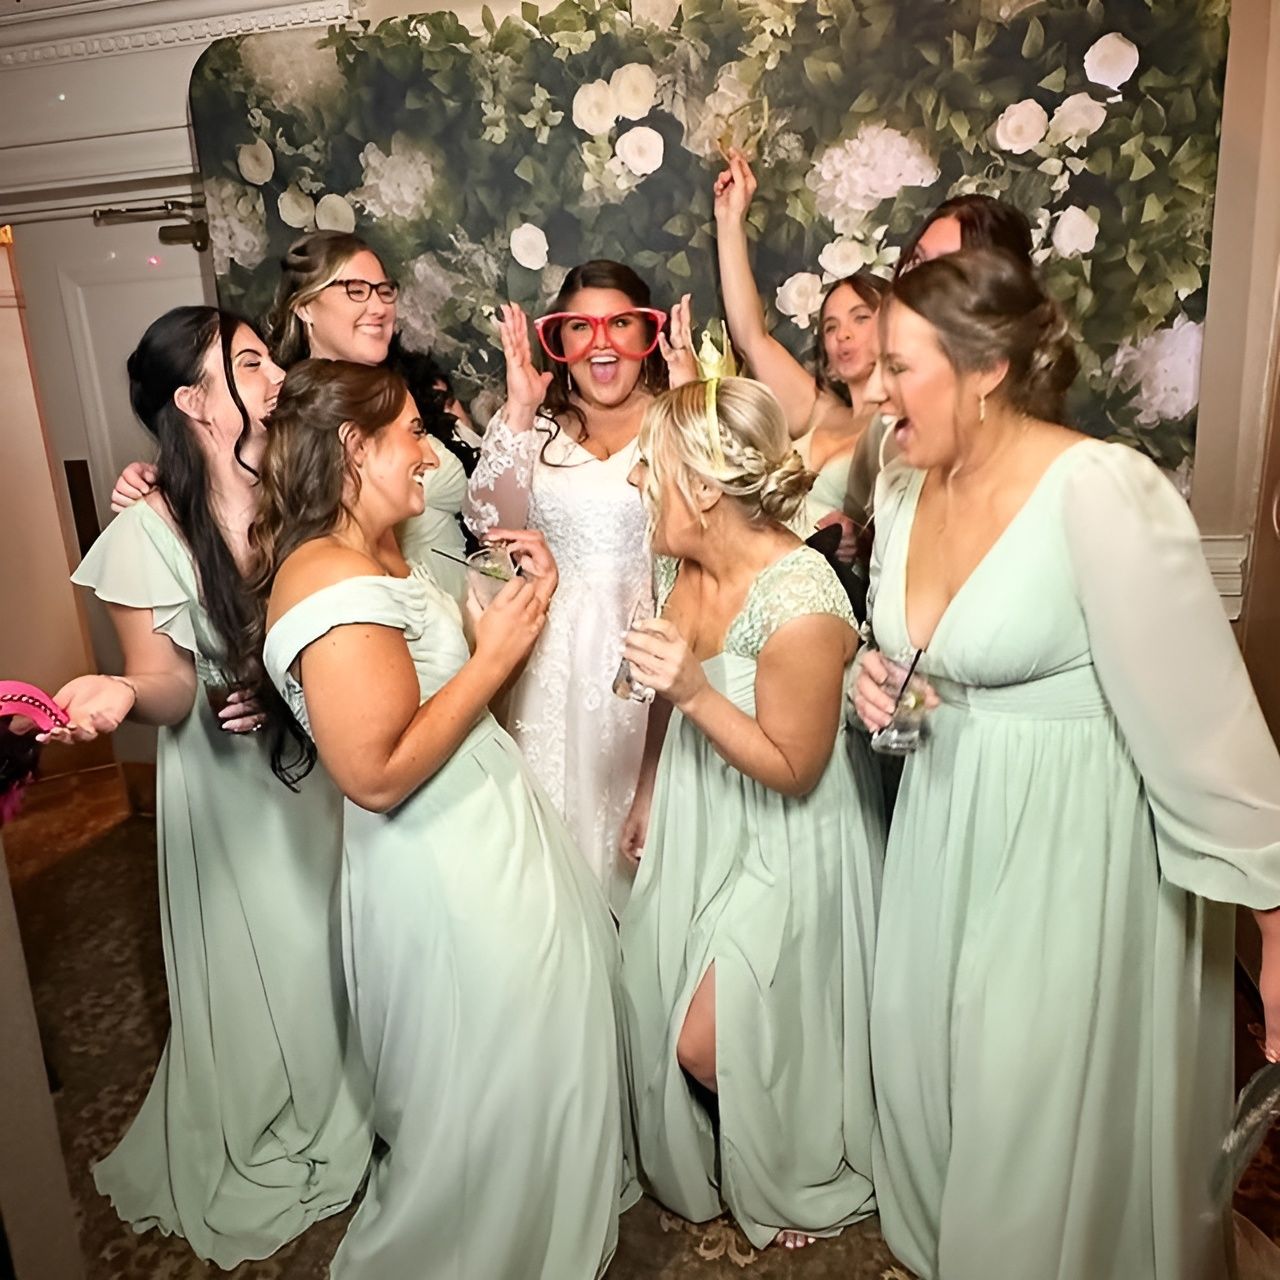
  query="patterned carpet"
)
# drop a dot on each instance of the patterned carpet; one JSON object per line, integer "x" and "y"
{"x": 94, "y": 951}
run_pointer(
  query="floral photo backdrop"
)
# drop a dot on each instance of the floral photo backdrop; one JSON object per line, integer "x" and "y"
{"x": 481, "y": 167}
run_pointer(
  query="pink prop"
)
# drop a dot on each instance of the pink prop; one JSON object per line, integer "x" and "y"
{"x": 17, "y": 698}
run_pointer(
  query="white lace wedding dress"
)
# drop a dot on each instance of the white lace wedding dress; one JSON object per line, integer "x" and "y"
{"x": 582, "y": 742}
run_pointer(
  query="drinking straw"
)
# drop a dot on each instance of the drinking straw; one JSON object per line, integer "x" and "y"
{"x": 906, "y": 680}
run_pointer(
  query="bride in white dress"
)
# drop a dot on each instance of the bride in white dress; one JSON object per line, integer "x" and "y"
{"x": 556, "y": 458}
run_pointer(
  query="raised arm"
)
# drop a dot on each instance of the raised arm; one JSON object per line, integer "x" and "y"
{"x": 498, "y": 492}
{"x": 768, "y": 359}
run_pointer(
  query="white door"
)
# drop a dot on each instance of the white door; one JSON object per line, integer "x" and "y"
{"x": 90, "y": 293}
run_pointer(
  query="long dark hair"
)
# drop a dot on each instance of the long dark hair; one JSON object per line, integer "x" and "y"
{"x": 305, "y": 470}
{"x": 170, "y": 356}
{"x": 871, "y": 289}
{"x": 985, "y": 223}
{"x": 599, "y": 273}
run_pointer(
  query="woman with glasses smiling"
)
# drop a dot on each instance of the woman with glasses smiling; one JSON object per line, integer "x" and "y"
{"x": 556, "y": 458}
{"x": 336, "y": 301}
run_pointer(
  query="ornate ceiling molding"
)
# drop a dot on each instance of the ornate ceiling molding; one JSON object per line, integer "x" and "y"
{"x": 159, "y": 33}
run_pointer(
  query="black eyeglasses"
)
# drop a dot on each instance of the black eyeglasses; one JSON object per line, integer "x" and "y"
{"x": 359, "y": 290}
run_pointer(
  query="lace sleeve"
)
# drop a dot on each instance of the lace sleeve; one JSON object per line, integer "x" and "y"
{"x": 796, "y": 586}
{"x": 498, "y": 492}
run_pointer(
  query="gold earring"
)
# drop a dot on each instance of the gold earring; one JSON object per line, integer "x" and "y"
{"x": 982, "y": 406}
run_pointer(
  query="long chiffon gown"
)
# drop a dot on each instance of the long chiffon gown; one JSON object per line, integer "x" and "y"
{"x": 779, "y": 893}
{"x": 1051, "y": 1025}
{"x": 480, "y": 963}
{"x": 582, "y": 742}
{"x": 257, "y": 1121}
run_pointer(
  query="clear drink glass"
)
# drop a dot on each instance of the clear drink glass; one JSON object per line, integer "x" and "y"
{"x": 488, "y": 571}
{"x": 625, "y": 685}
{"x": 906, "y": 731}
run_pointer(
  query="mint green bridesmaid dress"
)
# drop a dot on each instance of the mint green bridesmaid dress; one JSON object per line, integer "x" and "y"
{"x": 257, "y": 1121}
{"x": 1052, "y": 1020}
{"x": 779, "y": 893}
{"x": 481, "y": 961}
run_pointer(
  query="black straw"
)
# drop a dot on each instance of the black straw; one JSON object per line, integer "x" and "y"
{"x": 906, "y": 680}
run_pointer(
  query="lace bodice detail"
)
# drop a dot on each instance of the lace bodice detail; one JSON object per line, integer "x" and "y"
{"x": 799, "y": 584}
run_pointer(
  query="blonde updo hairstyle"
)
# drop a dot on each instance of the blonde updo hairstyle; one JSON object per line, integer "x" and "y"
{"x": 746, "y": 453}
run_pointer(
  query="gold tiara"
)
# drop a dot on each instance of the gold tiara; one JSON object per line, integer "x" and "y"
{"x": 713, "y": 427}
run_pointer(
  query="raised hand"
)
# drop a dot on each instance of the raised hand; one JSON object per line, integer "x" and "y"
{"x": 136, "y": 481}
{"x": 677, "y": 351}
{"x": 734, "y": 188}
{"x": 526, "y": 386}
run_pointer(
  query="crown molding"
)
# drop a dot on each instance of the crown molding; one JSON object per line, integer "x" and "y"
{"x": 46, "y": 38}
{"x": 1227, "y": 556}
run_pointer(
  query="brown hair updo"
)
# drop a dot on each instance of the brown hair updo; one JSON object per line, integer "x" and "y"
{"x": 988, "y": 306}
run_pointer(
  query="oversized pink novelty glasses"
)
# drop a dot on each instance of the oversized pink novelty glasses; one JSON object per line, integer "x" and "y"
{"x": 569, "y": 335}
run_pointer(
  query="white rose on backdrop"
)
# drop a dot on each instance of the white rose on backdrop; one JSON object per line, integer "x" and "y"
{"x": 1074, "y": 233}
{"x": 842, "y": 258}
{"x": 654, "y": 13}
{"x": 529, "y": 246}
{"x": 634, "y": 90}
{"x": 396, "y": 185}
{"x": 1165, "y": 368}
{"x": 296, "y": 208}
{"x": 1076, "y": 119}
{"x": 850, "y": 178}
{"x": 256, "y": 162}
{"x": 594, "y": 111}
{"x": 800, "y": 298}
{"x": 1111, "y": 60}
{"x": 291, "y": 69}
{"x": 641, "y": 150}
{"x": 334, "y": 213}
{"x": 237, "y": 224}
{"x": 1021, "y": 126}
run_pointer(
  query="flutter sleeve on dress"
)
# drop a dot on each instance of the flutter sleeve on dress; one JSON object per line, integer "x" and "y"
{"x": 498, "y": 492}
{"x": 138, "y": 562}
{"x": 1174, "y": 678}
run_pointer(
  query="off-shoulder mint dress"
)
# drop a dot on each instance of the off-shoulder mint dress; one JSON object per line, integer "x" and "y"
{"x": 481, "y": 961}
{"x": 257, "y": 1121}
{"x": 1051, "y": 1025}
{"x": 779, "y": 893}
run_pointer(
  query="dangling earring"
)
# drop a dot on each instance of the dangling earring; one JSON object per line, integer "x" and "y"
{"x": 982, "y": 406}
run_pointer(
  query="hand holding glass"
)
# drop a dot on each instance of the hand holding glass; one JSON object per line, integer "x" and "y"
{"x": 905, "y": 731}
{"x": 625, "y": 685}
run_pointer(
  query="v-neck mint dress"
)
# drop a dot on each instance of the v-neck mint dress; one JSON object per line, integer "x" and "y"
{"x": 1051, "y": 1021}
{"x": 257, "y": 1122}
{"x": 779, "y": 893}
{"x": 481, "y": 961}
